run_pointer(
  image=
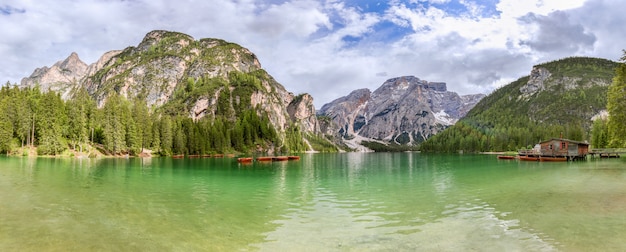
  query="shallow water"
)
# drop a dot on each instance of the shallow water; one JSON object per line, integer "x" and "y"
{"x": 323, "y": 202}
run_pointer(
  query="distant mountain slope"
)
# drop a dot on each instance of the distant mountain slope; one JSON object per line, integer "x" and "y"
{"x": 173, "y": 67}
{"x": 403, "y": 110}
{"x": 558, "y": 97}
{"x": 179, "y": 76}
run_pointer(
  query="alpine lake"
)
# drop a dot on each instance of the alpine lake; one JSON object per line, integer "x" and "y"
{"x": 322, "y": 202}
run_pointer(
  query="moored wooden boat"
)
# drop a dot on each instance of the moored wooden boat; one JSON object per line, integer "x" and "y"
{"x": 294, "y": 157}
{"x": 244, "y": 160}
{"x": 218, "y": 155}
{"x": 553, "y": 159}
{"x": 193, "y": 156}
{"x": 528, "y": 158}
{"x": 206, "y": 155}
{"x": 506, "y": 157}
{"x": 178, "y": 156}
{"x": 264, "y": 159}
{"x": 280, "y": 158}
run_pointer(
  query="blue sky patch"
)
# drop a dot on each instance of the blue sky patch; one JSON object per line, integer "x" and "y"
{"x": 8, "y": 10}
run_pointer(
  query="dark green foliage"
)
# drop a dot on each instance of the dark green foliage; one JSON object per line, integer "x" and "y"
{"x": 294, "y": 140}
{"x": 115, "y": 126}
{"x": 403, "y": 138}
{"x": 166, "y": 135}
{"x": 508, "y": 120}
{"x": 179, "y": 141}
{"x": 600, "y": 134}
{"x": 128, "y": 126}
{"x": 80, "y": 111}
{"x": 390, "y": 147}
{"x": 616, "y": 107}
{"x": 51, "y": 125}
{"x": 321, "y": 143}
{"x": 6, "y": 127}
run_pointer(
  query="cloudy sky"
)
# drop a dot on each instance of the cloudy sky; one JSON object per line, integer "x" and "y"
{"x": 329, "y": 47}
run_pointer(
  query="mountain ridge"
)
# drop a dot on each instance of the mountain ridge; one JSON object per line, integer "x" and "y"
{"x": 557, "y": 98}
{"x": 171, "y": 59}
{"x": 178, "y": 76}
{"x": 403, "y": 110}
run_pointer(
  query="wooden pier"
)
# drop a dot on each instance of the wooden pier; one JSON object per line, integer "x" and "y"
{"x": 534, "y": 155}
{"x": 607, "y": 153}
{"x": 556, "y": 149}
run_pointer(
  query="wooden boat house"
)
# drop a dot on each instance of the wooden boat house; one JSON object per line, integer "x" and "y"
{"x": 564, "y": 148}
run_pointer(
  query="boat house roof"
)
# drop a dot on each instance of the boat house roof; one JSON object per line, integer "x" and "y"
{"x": 566, "y": 140}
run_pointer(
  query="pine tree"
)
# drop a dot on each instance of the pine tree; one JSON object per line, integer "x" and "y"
{"x": 156, "y": 136}
{"x": 166, "y": 135}
{"x": 114, "y": 129}
{"x": 179, "y": 143}
{"x": 133, "y": 135}
{"x": 143, "y": 122}
{"x": 22, "y": 115}
{"x": 599, "y": 134}
{"x": 79, "y": 110}
{"x": 6, "y": 127}
{"x": 616, "y": 105}
{"x": 51, "y": 123}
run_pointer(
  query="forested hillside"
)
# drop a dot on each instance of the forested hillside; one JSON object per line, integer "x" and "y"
{"x": 170, "y": 94}
{"x": 558, "y": 98}
{"x": 29, "y": 117}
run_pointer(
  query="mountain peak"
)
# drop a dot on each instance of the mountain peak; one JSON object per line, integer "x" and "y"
{"x": 154, "y": 38}
{"x": 405, "y": 82}
{"x": 404, "y": 110}
{"x": 72, "y": 62}
{"x": 73, "y": 55}
{"x": 68, "y": 71}
{"x": 206, "y": 78}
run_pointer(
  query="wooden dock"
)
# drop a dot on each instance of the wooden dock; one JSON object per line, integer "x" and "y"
{"x": 559, "y": 149}
{"x": 607, "y": 153}
{"x": 532, "y": 155}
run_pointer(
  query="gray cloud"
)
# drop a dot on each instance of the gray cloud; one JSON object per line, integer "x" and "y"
{"x": 606, "y": 19}
{"x": 300, "y": 42}
{"x": 557, "y": 34}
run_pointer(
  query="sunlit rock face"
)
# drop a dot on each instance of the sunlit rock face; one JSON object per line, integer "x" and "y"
{"x": 60, "y": 77}
{"x": 169, "y": 65}
{"x": 405, "y": 110}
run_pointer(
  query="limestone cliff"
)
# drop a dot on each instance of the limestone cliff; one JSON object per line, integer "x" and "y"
{"x": 302, "y": 111}
{"x": 177, "y": 74}
{"x": 404, "y": 110}
{"x": 60, "y": 77}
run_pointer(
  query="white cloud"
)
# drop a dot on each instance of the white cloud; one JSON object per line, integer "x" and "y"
{"x": 300, "y": 19}
{"x": 328, "y": 48}
{"x": 516, "y": 8}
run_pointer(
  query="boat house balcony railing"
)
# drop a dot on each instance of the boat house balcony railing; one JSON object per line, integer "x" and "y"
{"x": 528, "y": 153}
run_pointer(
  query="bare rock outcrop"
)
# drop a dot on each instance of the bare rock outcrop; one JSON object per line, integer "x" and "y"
{"x": 60, "y": 77}
{"x": 404, "y": 110}
{"x": 301, "y": 110}
{"x": 202, "y": 74}
{"x": 535, "y": 83}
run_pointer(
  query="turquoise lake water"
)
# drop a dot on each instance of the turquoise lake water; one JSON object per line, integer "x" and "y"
{"x": 323, "y": 202}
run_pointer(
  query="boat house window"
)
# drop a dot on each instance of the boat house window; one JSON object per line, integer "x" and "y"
{"x": 563, "y": 145}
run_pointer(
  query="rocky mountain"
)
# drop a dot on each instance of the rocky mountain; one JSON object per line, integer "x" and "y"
{"x": 60, "y": 77}
{"x": 177, "y": 74}
{"x": 558, "y": 98}
{"x": 404, "y": 110}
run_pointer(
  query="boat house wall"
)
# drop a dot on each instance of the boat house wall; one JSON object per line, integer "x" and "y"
{"x": 564, "y": 147}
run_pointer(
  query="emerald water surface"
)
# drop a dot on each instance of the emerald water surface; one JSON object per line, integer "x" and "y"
{"x": 323, "y": 202}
